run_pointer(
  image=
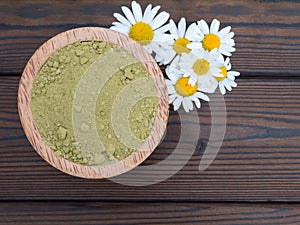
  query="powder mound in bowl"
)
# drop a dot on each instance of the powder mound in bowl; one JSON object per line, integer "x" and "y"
{"x": 87, "y": 124}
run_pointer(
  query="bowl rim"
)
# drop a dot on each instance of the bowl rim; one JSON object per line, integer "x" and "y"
{"x": 38, "y": 59}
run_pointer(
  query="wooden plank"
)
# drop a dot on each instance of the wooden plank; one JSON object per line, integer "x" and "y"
{"x": 65, "y": 213}
{"x": 259, "y": 159}
{"x": 267, "y": 32}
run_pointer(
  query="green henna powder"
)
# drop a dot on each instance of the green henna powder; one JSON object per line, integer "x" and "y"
{"x": 59, "y": 81}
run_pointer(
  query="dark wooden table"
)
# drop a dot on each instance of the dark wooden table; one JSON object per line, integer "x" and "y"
{"x": 255, "y": 178}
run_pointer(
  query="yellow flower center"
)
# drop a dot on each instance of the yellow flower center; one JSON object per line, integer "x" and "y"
{"x": 223, "y": 72}
{"x": 183, "y": 88}
{"x": 201, "y": 66}
{"x": 180, "y": 46}
{"x": 141, "y": 32}
{"x": 211, "y": 41}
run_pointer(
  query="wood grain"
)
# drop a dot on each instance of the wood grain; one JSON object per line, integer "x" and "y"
{"x": 65, "y": 213}
{"x": 267, "y": 32}
{"x": 259, "y": 159}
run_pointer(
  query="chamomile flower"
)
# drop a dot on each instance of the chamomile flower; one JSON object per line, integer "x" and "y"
{"x": 202, "y": 66}
{"x": 228, "y": 77}
{"x": 212, "y": 38}
{"x": 182, "y": 93}
{"x": 171, "y": 51}
{"x": 146, "y": 28}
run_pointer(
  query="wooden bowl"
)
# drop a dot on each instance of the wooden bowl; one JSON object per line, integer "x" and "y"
{"x": 24, "y": 95}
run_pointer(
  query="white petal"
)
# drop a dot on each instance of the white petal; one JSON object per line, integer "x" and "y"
{"x": 185, "y": 104}
{"x": 214, "y": 54}
{"x": 147, "y": 12}
{"x": 167, "y": 56}
{"x": 198, "y": 53}
{"x": 190, "y": 73}
{"x": 122, "y": 19}
{"x": 189, "y": 104}
{"x": 228, "y": 66}
{"x": 151, "y": 15}
{"x": 167, "y": 45}
{"x": 163, "y": 29}
{"x": 173, "y": 29}
{"x": 168, "y": 82}
{"x": 118, "y": 24}
{"x": 160, "y": 19}
{"x": 234, "y": 73}
{"x": 227, "y": 85}
{"x": 149, "y": 47}
{"x": 171, "y": 90}
{"x": 212, "y": 57}
{"x": 203, "y": 26}
{"x": 192, "y": 81}
{"x": 176, "y": 60}
{"x": 216, "y": 72}
{"x": 224, "y": 31}
{"x": 156, "y": 46}
{"x": 207, "y": 84}
{"x": 184, "y": 62}
{"x": 233, "y": 84}
{"x": 214, "y": 27}
{"x": 172, "y": 73}
{"x": 172, "y": 98}
{"x": 159, "y": 53}
{"x": 181, "y": 27}
{"x": 128, "y": 14}
{"x": 170, "y": 87}
{"x": 137, "y": 11}
{"x": 222, "y": 88}
{"x": 177, "y": 103}
{"x": 227, "y": 42}
{"x": 220, "y": 59}
{"x": 194, "y": 28}
{"x": 189, "y": 31}
{"x": 194, "y": 45}
{"x": 170, "y": 57}
{"x": 116, "y": 29}
{"x": 202, "y": 96}
{"x": 193, "y": 33}
{"x": 225, "y": 52}
{"x": 120, "y": 28}
{"x": 227, "y": 63}
{"x": 229, "y": 49}
{"x": 197, "y": 102}
{"x": 188, "y": 58}
{"x": 230, "y": 76}
{"x": 231, "y": 35}
{"x": 162, "y": 38}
